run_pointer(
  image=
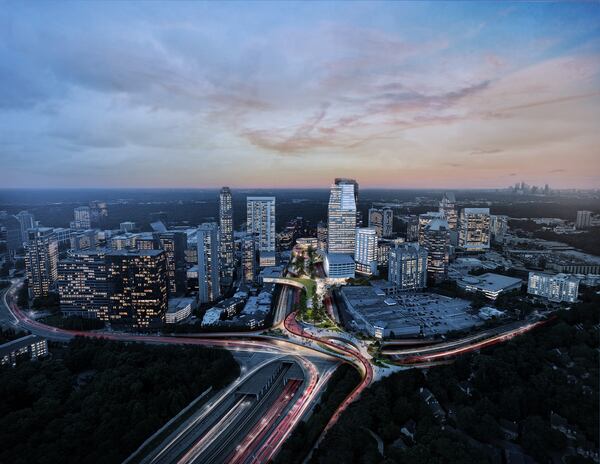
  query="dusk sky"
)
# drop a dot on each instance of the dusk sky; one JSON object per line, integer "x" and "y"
{"x": 278, "y": 94}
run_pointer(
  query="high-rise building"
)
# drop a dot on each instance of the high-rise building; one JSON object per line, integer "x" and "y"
{"x": 27, "y": 222}
{"x": 83, "y": 284}
{"x": 554, "y": 287}
{"x": 437, "y": 243}
{"x": 412, "y": 229}
{"x": 226, "y": 231}
{"x": 584, "y": 219}
{"x": 12, "y": 229}
{"x": 341, "y": 218}
{"x": 209, "y": 283}
{"x": 41, "y": 261}
{"x": 174, "y": 244}
{"x": 83, "y": 218}
{"x": 474, "y": 229}
{"x": 260, "y": 214}
{"x": 137, "y": 287}
{"x": 448, "y": 209}
{"x": 248, "y": 261}
{"x": 382, "y": 219}
{"x": 407, "y": 267}
{"x": 322, "y": 236}
{"x": 365, "y": 251}
{"x": 498, "y": 227}
{"x": 424, "y": 220}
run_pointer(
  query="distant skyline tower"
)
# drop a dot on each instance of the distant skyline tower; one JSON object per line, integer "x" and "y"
{"x": 41, "y": 261}
{"x": 82, "y": 218}
{"x": 341, "y": 218}
{"x": 27, "y": 222}
{"x": 382, "y": 219}
{"x": 260, "y": 218}
{"x": 448, "y": 209}
{"x": 437, "y": 243}
{"x": 226, "y": 231}
{"x": 365, "y": 251}
{"x": 209, "y": 283}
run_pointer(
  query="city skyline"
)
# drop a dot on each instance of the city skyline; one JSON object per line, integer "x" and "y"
{"x": 410, "y": 95}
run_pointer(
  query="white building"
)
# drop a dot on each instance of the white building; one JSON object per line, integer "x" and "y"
{"x": 407, "y": 267}
{"x": 179, "y": 309}
{"x": 127, "y": 226}
{"x": 584, "y": 219}
{"x": 365, "y": 251}
{"x": 554, "y": 287}
{"x": 474, "y": 229}
{"x": 209, "y": 284}
{"x": 83, "y": 218}
{"x": 341, "y": 219}
{"x": 260, "y": 217}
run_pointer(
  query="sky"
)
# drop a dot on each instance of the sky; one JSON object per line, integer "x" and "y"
{"x": 283, "y": 94}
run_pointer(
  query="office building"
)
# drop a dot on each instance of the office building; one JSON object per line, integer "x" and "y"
{"x": 28, "y": 347}
{"x": 248, "y": 261}
{"x": 474, "y": 229}
{"x": 424, "y": 220}
{"x": 498, "y": 227}
{"x": 83, "y": 240}
{"x": 407, "y": 267}
{"x": 341, "y": 218}
{"x": 41, "y": 261}
{"x": 82, "y": 218}
{"x": 27, "y": 221}
{"x": 226, "y": 231}
{"x": 412, "y": 228}
{"x": 260, "y": 214}
{"x": 174, "y": 244}
{"x": 436, "y": 240}
{"x": 123, "y": 241}
{"x": 489, "y": 284}
{"x": 448, "y": 209}
{"x": 555, "y": 287}
{"x": 179, "y": 309}
{"x": 322, "y": 236}
{"x": 209, "y": 283}
{"x": 83, "y": 284}
{"x": 12, "y": 229}
{"x": 365, "y": 251}
{"x": 138, "y": 288}
{"x": 584, "y": 219}
{"x": 382, "y": 220}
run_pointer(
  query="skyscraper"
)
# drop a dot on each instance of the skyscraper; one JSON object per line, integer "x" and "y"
{"x": 341, "y": 218}
{"x": 365, "y": 251}
{"x": 41, "y": 261}
{"x": 322, "y": 236}
{"x": 584, "y": 219}
{"x": 424, "y": 220}
{"x": 174, "y": 244}
{"x": 448, "y": 209}
{"x": 407, "y": 267}
{"x": 12, "y": 228}
{"x": 260, "y": 214}
{"x": 382, "y": 219}
{"x": 437, "y": 243}
{"x": 474, "y": 229}
{"x": 498, "y": 227}
{"x": 248, "y": 263}
{"x": 83, "y": 218}
{"x": 137, "y": 287}
{"x": 209, "y": 283}
{"x": 226, "y": 231}
{"x": 27, "y": 222}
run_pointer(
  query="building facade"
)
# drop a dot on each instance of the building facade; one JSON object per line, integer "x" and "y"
{"x": 209, "y": 283}
{"x": 555, "y": 287}
{"x": 82, "y": 218}
{"x": 474, "y": 229}
{"x": 382, "y": 220}
{"x": 498, "y": 227}
{"x": 260, "y": 217}
{"x": 424, "y": 220}
{"x": 448, "y": 209}
{"x": 248, "y": 261}
{"x": 341, "y": 218}
{"x": 27, "y": 221}
{"x": 407, "y": 267}
{"x": 436, "y": 240}
{"x": 365, "y": 251}
{"x": 41, "y": 261}
{"x": 226, "y": 231}
{"x": 583, "y": 220}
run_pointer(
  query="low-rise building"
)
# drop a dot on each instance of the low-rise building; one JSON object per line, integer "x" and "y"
{"x": 179, "y": 309}
{"x": 339, "y": 266}
{"x": 211, "y": 317}
{"x": 555, "y": 287}
{"x": 491, "y": 285}
{"x": 30, "y": 346}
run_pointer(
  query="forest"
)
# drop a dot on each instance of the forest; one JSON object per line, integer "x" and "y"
{"x": 523, "y": 382}
{"x": 96, "y": 401}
